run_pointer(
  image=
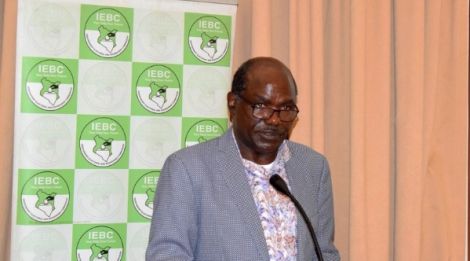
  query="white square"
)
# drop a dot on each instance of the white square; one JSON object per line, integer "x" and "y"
{"x": 205, "y": 90}
{"x": 49, "y": 29}
{"x": 137, "y": 240}
{"x": 158, "y": 36}
{"x": 100, "y": 196}
{"x": 46, "y": 141}
{"x": 104, "y": 87}
{"x": 152, "y": 140}
{"x": 51, "y": 242}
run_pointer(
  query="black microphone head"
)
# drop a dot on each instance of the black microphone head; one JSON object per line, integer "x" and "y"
{"x": 279, "y": 184}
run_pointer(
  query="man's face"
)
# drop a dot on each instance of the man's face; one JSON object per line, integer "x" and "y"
{"x": 259, "y": 139}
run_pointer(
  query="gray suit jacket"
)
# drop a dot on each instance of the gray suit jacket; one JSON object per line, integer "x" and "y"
{"x": 204, "y": 209}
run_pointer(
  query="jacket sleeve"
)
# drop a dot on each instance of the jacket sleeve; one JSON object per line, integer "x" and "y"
{"x": 173, "y": 230}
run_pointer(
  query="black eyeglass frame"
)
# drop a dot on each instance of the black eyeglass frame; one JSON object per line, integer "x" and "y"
{"x": 265, "y": 116}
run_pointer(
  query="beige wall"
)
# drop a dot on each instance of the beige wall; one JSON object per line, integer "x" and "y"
{"x": 2, "y": 3}
{"x": 383, "y": 94}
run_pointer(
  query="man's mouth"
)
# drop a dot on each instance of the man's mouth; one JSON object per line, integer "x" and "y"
{"x": 271, "y": 134}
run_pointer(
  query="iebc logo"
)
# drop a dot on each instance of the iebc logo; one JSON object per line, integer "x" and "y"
{"x": 45, "y": 196}
{"x": 202, "y": 131}
{"x": 158, "y": 88}
{"x": 100, "y": 243}
{"x": 102, "y": 142}
{"x": 49, "y": 84}
{"x": 209, "y": 39}
{"x": 107, "y": 32}
{"x": 143, "y": 193}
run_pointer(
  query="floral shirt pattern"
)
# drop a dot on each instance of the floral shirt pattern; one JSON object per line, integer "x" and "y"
{"x": 276, "y": 211}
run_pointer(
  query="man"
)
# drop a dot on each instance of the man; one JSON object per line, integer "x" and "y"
{"x": 214, "y": 200}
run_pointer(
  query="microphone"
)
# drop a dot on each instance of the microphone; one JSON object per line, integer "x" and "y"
{"x": 280, "y": 185}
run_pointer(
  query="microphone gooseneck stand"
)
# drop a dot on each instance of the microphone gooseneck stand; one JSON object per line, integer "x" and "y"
{"x": 280, "y": 185}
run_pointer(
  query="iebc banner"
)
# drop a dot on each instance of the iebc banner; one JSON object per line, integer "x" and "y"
{"x": 105, "y": 91}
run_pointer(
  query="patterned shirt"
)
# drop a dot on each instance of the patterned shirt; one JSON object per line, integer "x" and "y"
{"x": 276, "y": 211}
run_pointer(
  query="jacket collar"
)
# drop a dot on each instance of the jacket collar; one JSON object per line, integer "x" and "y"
{"x": 231, "y": 167}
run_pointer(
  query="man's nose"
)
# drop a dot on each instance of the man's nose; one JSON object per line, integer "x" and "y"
{"x": 274, "y": 119}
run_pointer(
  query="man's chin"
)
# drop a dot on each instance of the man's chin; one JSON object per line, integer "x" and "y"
{"x": 271, "y": 137}
{"x": 269, "y": 147}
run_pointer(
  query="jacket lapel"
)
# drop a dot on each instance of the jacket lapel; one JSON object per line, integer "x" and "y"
{"x": 230, "y": 165}
{"x": 297, "y": 183}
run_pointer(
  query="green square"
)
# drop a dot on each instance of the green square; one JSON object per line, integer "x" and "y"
{"x": 156, "y": 89}
{"x": 98, "y": 237}
{"x": 102, "y": 142}
{"x": 207, "y": 39}
{"x": 49, "y": 85}
{"x": 142, "y": 188}
{"x": 198, "y": 130}
{"x": 45, "y": 196}
{"x": 106, "y": 32}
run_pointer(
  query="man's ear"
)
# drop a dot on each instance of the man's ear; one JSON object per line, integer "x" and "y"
{"x": 231, "y": 99}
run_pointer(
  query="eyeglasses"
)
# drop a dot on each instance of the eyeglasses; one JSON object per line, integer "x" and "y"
{"x": 261, "y": 111}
